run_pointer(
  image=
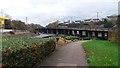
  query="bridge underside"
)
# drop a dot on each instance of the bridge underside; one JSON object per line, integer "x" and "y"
{"x": 91, "y": 34}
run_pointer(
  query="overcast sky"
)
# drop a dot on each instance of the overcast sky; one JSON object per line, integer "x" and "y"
{"x": 44, "y": 11}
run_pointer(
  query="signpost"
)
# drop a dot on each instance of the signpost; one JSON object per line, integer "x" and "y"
{"x": 2, "y": 23}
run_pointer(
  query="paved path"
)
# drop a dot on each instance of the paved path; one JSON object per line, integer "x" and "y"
{"x": 71, "y": 54}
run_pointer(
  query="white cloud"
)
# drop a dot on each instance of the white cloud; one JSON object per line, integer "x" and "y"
{"x": 44, "y": 11}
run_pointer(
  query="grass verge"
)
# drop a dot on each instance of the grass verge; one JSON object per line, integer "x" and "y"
{"x": 101, "y": 53}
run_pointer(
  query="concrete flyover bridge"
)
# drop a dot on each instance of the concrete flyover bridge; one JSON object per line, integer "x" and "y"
{"x": 99, "y": 33}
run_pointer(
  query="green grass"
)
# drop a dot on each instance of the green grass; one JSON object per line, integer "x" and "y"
{"x": 101, "y": 53}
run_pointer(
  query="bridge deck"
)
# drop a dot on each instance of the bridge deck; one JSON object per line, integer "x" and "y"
{"x": 82, "y": 32}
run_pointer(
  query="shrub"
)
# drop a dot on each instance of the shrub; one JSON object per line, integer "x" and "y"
{"x": 26, "y": 52}
{"x": 61, "y": 41}
{"x": 86, "y": 38}
{"x": 72, "y": 38}
{"x": 11, "y": 32}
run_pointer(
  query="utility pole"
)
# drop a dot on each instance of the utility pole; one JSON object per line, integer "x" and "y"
{"x": 97, "y": 15}
{"x": 1, "y": 22}
{"x": 26, "y": 20}
{"x": 71, "y": 19}
{"x": 2, "y": 11}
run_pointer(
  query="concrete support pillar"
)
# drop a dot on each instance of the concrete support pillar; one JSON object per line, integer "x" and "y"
{"x": 57, "y": 31}
{"x": 78, "y": 32}
{"x": 68, "y": 32}
{"x": 106, "y": 34}
{"x": 93, "y": 35}
{"x": 73, "y": 33}
{"x": 47, "y": 31}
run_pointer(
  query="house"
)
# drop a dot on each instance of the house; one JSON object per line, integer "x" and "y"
{"x": 91, "y": 20}
{"x": 103, "y": 19}
{"x": 67, "y": 22}
{"x": 78, "y": 21}
{"x": 95, "y": 20}
{"x": 87, "y": 20}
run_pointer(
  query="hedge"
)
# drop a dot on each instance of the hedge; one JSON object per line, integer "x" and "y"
{"x": 72, "y": 38}
{"x": 26, "y": 54}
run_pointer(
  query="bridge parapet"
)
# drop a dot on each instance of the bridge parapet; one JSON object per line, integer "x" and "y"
{"x": 90, "y": 29}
